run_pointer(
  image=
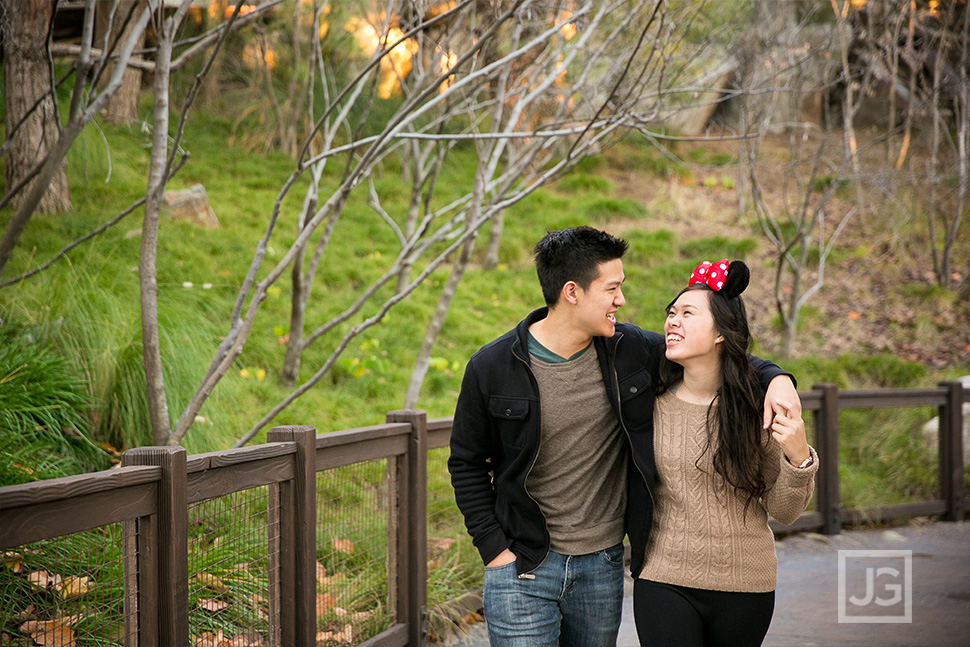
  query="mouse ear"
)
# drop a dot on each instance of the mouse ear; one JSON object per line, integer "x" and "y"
{"x": 737, "y": 279}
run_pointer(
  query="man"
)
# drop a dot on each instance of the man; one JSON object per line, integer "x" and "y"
{"x": 539, "y": 449}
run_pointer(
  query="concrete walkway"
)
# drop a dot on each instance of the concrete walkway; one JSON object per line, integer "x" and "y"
{"x": 807, "y": 599}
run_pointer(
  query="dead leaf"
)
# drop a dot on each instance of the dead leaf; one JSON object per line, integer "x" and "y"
{"x": 345, "y": 636}
{"x": 48, "y": 633}
{"x": 26, "y": 614}
{"x": 472, "y": 618}
{"x": 854, "y": 316}
{"x": 325, "y": 602}
{"x": 211, "y": 582}
{"x": 433, "y": 564}
{"x": 68, "y": 621}
{"x": 247, "y": 639}
{"x": 321, "y": 571}
{"x": 206, "y": 639}
{"x": 361, "y": 616}
{"x": 343, "y": 545}
{"x": 212, "y": 605}
{"x": 43, "y": 579}
{"x": 261, "y": 605}
{"x": 109, "y": 448}
{"x": 334, "y": 579}
{"x": 75, "y": 585}
{"x": 209, "y": 639}
{"x": 23, "y": 468}
{"x": 441, "y": 543}
{"x": 14, "y": 562}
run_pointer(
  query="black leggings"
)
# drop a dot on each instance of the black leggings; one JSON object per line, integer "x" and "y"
{"x": 676, "y": 616}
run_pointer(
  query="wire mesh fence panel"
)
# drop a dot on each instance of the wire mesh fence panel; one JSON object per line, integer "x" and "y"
{"x": 230, "y": 588}
{"x": 454, "y": 565}
{"x": 66, "y": 591}
{"x": 355, "y": 557}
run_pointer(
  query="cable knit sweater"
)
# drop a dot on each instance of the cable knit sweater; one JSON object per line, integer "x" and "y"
{"x": 701, "y": 537}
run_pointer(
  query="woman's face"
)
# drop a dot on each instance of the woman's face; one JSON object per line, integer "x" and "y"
{"x": 689, "y": 329}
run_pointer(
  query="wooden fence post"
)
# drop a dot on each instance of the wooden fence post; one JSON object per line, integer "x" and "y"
{"x": 951, "y": 450}
{"x": 164, "y": 542}
{"x": 297, "y": 539}
{"x": 415, "y": 525}
{"x": 826, "y": 421}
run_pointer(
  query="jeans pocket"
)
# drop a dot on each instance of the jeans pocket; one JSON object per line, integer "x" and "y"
{"x": 614, "y": 555}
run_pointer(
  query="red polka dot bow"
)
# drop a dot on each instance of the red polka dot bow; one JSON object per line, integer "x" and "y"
{"x": 711, "y": 274}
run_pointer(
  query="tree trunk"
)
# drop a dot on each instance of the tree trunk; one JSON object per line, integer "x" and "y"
{"x": 494, "y": 241}
{"x": 437, "y": 321}
{"x": 147, "y": 266}
{"x": 123, "y": 105}
{"x": 27, "y": 78}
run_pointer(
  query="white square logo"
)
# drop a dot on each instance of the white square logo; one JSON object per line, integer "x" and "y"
{"x": 876, "y": 586}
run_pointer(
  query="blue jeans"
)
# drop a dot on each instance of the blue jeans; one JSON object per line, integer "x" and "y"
{"x": 574, "y": 601}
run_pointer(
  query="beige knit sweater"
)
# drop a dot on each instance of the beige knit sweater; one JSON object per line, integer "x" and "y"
{"x": 701, "y": 537}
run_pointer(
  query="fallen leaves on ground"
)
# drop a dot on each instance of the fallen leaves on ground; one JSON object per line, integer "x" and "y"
{"x": 12, "y": 561}
{"x": 211, "y": 582}
{"x": 219, "y": 639}
{"x": 325, "y": 602}
{"x": 343, "y": 545}
{"x": 441, "y": 543}
{"x": 212, "y": 605}
{"x": 343, "y": 637}
{"x": 49, "y": 633}
{"x": 75, "y": 585}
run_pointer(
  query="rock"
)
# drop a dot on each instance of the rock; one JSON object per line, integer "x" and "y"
{"x": 931, "y": 430}
{"x": 190, "y": 205}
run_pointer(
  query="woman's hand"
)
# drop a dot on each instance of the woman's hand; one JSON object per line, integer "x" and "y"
{"x": 780, "y": 397}
{"x": 788, "y": 429}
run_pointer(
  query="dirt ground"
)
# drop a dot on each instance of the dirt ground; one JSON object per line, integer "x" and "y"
{"x": 873, "y": 297}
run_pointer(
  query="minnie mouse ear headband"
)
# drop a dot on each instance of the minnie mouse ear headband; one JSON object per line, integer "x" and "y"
{"x": 728, "y": 279}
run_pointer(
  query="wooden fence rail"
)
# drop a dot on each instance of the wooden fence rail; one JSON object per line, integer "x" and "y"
{"x": 150, "y": 494}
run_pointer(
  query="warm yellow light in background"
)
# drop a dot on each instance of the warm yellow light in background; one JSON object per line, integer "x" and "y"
{"x": 395, "y": 64}
{"x": 568, "y": 29}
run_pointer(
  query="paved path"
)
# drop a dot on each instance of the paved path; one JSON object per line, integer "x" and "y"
{"x": 806, "y": 605}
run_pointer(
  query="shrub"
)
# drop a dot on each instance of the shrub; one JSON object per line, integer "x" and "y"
{"x": 43, "y": 428}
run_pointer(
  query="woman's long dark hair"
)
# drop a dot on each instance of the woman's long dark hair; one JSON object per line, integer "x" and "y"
{"x": 735, "y": 412}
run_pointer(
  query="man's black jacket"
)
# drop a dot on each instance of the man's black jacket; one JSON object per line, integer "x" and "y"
{"x": 495, "y": 438}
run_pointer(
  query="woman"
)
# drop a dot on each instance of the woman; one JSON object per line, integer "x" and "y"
{"x": 709, "y": 574}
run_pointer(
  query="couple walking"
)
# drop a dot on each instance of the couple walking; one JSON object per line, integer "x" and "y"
{"x": 573, "y": 429}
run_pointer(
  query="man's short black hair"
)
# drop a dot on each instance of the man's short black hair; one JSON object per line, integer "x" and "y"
{"x": 573, "y": 254}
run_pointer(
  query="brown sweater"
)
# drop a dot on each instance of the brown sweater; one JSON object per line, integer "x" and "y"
{"x": 578, "y": 478}
{"x": 701, "y": 537}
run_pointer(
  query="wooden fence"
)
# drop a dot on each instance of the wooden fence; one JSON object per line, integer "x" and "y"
{"x": 150, "y": 494}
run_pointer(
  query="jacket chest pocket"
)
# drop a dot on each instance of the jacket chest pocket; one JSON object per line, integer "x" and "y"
{"x": 637, "y": 393}
{"x": 509, "y": 417}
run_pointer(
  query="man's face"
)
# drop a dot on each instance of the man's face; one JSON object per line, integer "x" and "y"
{"x": 597, "y": 305}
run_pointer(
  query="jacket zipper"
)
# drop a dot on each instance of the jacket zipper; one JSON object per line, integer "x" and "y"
{"x": 619, "y": 410}
{"x": 528, "y": 575}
